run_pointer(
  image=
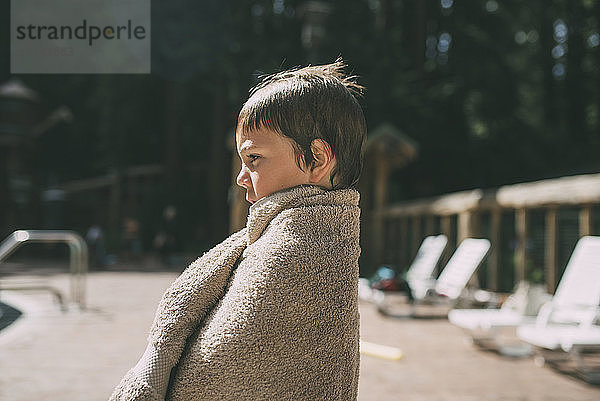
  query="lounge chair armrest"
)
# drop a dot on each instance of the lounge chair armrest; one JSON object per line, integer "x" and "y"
{"x": 422, "y": 287}
{"x": 488, "y": 298}
{"x": 583, "y": 315}
{"x": 591, "y": 317}
{"x": 544, "y": 314}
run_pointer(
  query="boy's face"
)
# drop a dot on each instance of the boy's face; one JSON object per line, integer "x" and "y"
{"x": 268, "y": 164}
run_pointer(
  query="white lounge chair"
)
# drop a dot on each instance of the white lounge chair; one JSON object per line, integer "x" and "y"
{"x": 445, "y": 291}
{"x": 495, "y": 328}
{"x": 420, "y": 271}
{"x": 566, "y": 329}
{"x": 485, "y": 325}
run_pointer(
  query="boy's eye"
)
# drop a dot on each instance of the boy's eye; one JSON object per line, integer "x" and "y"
{"x": 253, "y": 157}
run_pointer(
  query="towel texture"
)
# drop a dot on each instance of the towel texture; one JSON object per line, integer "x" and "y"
{"x": 271, "y": 313}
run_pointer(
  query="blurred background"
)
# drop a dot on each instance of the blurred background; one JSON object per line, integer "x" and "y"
{"x": 460, "y": 96}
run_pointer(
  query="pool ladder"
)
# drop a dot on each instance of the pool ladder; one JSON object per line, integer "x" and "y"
{"x": 78, "y": 260}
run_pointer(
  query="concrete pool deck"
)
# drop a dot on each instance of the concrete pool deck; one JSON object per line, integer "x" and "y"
{"x": 50, "y": 355}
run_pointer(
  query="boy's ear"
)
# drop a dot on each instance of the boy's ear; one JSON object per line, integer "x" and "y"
{"x": 322, "y": 163}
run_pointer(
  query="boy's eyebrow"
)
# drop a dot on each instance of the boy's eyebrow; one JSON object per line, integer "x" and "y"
{"x": 247, "y": 147}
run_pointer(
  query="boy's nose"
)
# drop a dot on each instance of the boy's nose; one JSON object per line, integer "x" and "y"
{"x": 243, "y": 178}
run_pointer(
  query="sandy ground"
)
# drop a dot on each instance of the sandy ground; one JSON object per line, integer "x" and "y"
{"x": 51, "y": 355}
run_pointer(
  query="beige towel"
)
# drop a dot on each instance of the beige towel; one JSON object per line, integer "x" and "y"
{"x": 271, "y": 313}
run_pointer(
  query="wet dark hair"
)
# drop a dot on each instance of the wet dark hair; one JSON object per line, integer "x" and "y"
{"x": 314, "y": 102}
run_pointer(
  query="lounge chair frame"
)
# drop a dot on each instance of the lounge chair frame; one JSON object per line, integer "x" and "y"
{"x": 437, "y": 296}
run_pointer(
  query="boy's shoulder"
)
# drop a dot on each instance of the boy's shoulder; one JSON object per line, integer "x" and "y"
{"x": 312, "y": 224}
{"x": 313, "y": 235}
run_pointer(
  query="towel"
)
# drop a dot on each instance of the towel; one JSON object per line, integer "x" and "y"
{"x": 271, "y": 313}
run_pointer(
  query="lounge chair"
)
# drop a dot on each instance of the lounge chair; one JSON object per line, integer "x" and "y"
{"x": 566, "y": 329}
{"x": 440, "y": 295}
{"x": 420, "y": 272}
{"x": 495, "y": 328}
{"x": 485, "y": 325}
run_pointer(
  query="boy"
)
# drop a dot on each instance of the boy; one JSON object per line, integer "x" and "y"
{"x": 271, "y": 313}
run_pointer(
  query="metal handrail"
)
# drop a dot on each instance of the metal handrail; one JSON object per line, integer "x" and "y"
{"x": 78, "y": 254}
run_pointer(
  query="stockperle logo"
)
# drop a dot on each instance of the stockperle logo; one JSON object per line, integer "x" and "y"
{"x": 80, "y": 36}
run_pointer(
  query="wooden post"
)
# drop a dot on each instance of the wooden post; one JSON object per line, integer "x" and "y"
{"x": 377, "y": 237}
{"x": 494, "y": 257}
{"x": 467, "y": 225}
{"x": 446, "y": 228}
{"x": 388, "y": 240}
{"x": 550, "y": 253}
{"x": 521, "y": 231}
{"x": 416, "y": 235}
{"x": 404, "y": 257}
{"x": 398, "y": 243}
{"x": 382, "y": 173}
{"x": 382, "y": 170}
{"x": 585, "y": 220}
{"x": 429, "y": 225}
{"x": 464, "y": 225}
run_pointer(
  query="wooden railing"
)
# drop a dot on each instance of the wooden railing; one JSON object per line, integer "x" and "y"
{"x": 533, "y": 227}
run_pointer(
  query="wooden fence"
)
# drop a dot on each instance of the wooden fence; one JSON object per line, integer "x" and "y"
{"x": 533, "y": 227}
